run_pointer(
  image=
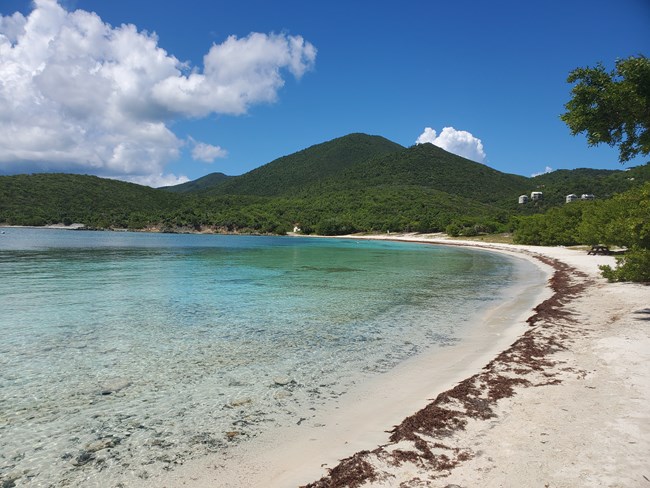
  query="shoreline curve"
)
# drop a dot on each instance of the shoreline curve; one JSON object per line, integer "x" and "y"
{"x": 458, "y": 436}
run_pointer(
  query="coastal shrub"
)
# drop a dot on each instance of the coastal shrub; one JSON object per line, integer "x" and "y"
{"x": 334, "y": 227}
{"x": 633, "y": 266}
{"x": 557, "y": 227}
{"x": 306, "y": 229}
{"x": 454, "y": 229}
{"x": 473, "y": 228}
{"x": 623, "y": 220}
{"x": 278, "y": 228}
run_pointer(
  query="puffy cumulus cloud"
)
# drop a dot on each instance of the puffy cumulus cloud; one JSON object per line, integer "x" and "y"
{"x": 548, "y": 169}
{"x": 206, "y": 153}
{"x": 459, "y": 142}
{"x": 77, "y": 94}
{"x": 237, "y": 74}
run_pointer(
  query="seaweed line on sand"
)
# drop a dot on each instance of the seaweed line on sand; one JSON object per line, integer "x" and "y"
{"x": 422, "y": 440}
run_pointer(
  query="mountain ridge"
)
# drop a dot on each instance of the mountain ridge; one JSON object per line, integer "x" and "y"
{"x": 352, "y": 183}
{"x": 308, "y": 165}
{"x": 209, "y": 180}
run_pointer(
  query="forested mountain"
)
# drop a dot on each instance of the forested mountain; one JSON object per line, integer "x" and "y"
{"x": 353, "y": 183}
{"x": 207, "y": 181}
{"x": 290, "y": 173}
{"x": 602, "y": 183}
{"x": 427, "y": 166}
{"x": 42, "y": 199}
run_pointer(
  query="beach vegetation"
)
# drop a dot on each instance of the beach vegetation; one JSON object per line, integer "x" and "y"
{"x": 473, "y": 228}
{"x": 558, "y": 226}
{"x": 622, "y": 221}
{"x": 634, "y": 265}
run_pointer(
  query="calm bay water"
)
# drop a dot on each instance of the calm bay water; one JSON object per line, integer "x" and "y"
{"x": 123, "y": 354}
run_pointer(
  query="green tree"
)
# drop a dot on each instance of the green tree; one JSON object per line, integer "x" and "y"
{"x": 557, "y": 227}
{"x": 634, "y": 265}
{"x": 623, "y": 220}
{"x": 612, "y": 107}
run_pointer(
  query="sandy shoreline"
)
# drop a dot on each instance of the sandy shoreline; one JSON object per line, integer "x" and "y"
{"x": 576, "y": 414}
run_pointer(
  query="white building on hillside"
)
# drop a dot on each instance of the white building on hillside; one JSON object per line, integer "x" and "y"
{"x": 571, "y": 198}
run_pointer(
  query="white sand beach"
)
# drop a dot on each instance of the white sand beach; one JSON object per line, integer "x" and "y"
{"x": 559, "y": 402}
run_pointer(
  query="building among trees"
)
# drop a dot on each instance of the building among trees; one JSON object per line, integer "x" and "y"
{"x": 571, "y": 198}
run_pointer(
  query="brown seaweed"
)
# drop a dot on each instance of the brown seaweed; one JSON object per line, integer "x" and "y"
{"x": 527, "y": 363}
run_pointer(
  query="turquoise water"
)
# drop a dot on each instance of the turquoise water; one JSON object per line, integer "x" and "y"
{"x": 124, "y": 354}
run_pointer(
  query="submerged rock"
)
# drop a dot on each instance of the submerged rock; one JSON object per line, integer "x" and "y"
{"x": 102, "y": 444}
{"x": 10, "y": 480}
{"x": 239, "y": 402}
{"x": 282, "y": 394}
{"x": 84, "y": 458}
{"x": 113, "y": 386}
{"x": 282, "y": 380}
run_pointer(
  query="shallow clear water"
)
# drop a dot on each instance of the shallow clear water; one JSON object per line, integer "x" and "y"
{"x": 123, "y": 354}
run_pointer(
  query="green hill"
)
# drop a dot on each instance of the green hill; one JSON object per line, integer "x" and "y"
{"x": 353, "y": 183}
{"x": 601, "y": 183}
{"x": 42, "y": 199}
{"x": 290, "y": 173}
{"x": 363, "y": 183}
{"x": 389, "y": 208}
{"x": 207, "y": 181}
{"x": 429, "y": 167}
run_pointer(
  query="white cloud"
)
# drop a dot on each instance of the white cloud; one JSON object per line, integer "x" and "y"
{"x": 158, "y": 180}
{"x": 548, "y": 169}
{"x": 237, "y": 74}
{"x": 206, "y": 153}
{"x": 459, "y": 142}
{"x": 77, "y": 94}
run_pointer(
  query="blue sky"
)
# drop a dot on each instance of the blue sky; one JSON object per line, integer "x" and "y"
{"x": 494, "y": 71}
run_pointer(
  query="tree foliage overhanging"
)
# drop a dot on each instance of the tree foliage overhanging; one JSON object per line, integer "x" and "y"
{"x": 612, "y": 107}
